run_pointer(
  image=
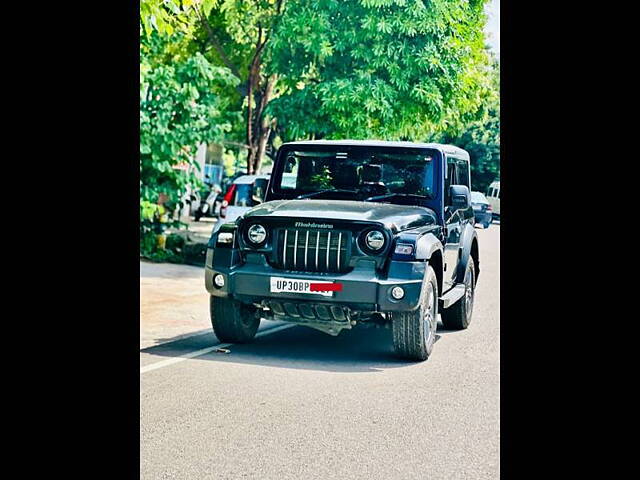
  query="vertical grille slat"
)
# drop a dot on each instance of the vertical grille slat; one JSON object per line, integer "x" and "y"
{"x": 333, "y": 246}
{"x": 306, "y": 244}
{"x": 339, "y": 253}
{"x": 284, "y": 250}
{"x": 328, "y": 250}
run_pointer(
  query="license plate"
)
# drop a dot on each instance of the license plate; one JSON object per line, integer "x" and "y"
{"x": 292, "y": 285}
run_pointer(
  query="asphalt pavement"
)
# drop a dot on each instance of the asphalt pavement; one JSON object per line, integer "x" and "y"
{"x": 300, "y": 404}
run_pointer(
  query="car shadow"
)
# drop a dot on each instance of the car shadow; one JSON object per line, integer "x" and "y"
{"x": 298, "y": 347}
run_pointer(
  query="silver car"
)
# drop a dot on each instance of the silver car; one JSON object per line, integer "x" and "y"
{"x": 246, "y": 192}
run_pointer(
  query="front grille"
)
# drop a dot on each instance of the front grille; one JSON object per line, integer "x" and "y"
{"x": 309, "y": 250}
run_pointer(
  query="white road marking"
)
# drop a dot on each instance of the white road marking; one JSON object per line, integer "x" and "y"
{"x": 204, "y": 351}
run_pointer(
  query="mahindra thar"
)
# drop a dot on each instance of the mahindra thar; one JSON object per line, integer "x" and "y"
{"x": 351, "y": 232}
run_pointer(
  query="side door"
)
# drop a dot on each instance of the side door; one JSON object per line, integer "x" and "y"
{"x": 463, "y": 177}
{"x": 453, "y": 225}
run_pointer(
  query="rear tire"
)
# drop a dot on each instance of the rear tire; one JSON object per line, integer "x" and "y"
{"x": 414, "y": 332}
{"x": 233, "y": 321}
{"x": 458, "y": 315}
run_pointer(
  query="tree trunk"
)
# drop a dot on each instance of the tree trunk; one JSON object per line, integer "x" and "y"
{"x": 264, "y": 124}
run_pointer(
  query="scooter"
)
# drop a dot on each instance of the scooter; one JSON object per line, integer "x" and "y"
{"x": 209, "y": 205}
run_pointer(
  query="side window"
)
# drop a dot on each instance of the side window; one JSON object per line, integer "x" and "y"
{"x": 450, "y": 180}
{"x": 463, "y": 174}
{"x": 290, "y": 173}
{"x": 490, "y": 192}
{"x": 498, "y": 194}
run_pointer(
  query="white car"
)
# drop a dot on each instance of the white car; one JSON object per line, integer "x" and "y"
{"x": 493, "y": 195}
{"x": 246, "y": 192}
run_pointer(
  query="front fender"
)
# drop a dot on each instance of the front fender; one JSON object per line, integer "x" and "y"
{"x": 426, "y": 245}
{"x": 467, "y": 239}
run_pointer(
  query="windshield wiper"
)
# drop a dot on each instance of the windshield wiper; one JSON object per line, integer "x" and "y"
{"x": 401, "y": 195}
{"x": 320, "y": 192}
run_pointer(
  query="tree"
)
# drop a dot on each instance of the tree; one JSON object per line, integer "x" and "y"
{"x": 182, "y": 104}
{"x": 238, "y": 33}
{"x": 392, "y": 69}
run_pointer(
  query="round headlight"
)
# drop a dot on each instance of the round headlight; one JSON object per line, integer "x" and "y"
{"x": 257, "y": 234}
{"x": 374, "y": 240}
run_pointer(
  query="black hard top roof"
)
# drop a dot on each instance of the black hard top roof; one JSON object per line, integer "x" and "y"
{"x": 448, "y": 149}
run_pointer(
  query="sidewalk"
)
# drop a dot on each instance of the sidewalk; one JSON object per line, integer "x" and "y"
{"x": 197, "y": 232}
{"x": 173, "y": 302}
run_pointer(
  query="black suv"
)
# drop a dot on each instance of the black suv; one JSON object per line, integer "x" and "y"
{"x": 352, "y": 232}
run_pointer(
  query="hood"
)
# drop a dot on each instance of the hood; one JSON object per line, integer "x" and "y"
{"x": 395, "y": 217}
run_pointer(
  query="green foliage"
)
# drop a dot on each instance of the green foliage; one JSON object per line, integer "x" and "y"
{"x": 183, "y": 103}
{"x": 165, "y": 16}
{"x": 390, "y": 69}
{"x": 181, "y": 106}
{"x": 387, "y": 69}
{"x": 322, "y": 180}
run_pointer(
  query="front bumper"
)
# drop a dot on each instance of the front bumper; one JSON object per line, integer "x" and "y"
{"x": 362, "y": 289}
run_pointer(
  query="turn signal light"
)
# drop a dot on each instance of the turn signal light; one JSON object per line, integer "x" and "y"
{"x": 225, "y": 237}
{"x": 404, "y": 249}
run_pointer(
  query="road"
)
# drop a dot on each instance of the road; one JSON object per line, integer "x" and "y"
{"x": 300, "y": 404}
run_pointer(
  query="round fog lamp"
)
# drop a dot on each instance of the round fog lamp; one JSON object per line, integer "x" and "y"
{"x": 397, "y": 292}
{"x": 374, "y": 240}
{"x": 257, "y": 234}
{"x": 219, "y": 280}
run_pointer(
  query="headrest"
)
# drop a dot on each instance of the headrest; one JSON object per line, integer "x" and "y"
{"x": 346, "y": 177}
{"x": 371, "y": 173}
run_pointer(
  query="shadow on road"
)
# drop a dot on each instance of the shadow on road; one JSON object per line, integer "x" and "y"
{"x": 357, "y": 350}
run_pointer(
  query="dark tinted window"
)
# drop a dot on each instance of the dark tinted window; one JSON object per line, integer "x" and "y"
{"x": 450, "y": 180}
{"x": 463, "y": 174}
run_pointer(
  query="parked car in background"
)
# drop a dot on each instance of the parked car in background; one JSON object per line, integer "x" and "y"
{"x": 493, "y": 195}
{"x": 482, "y": 210}
{"x": 245, "y": 192}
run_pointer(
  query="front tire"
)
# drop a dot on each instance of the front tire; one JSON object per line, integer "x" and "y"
{"x": 233, "y": 321}
{"x": 458, "y": 315}
{"x": 414, "y": 332}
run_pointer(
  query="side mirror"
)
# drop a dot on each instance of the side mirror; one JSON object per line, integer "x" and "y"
{"x": 460, "y": 197}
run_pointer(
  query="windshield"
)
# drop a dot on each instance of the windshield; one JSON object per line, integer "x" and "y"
{"x": 357, "y": 172}
{"x": 249, "y": 194}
